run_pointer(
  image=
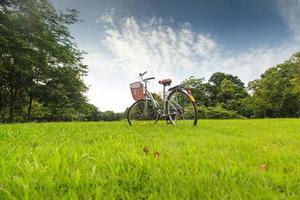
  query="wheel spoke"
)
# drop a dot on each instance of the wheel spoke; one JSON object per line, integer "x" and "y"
{"x": 141, "y": 112}
{"x": 181, "y": 108}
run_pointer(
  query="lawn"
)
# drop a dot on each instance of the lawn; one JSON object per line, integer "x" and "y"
{"x": 218, "y": 159}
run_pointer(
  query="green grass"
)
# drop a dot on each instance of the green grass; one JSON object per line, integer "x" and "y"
{"x": 229, "y": 159}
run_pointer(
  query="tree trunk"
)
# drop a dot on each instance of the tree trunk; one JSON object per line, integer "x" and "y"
{"x": 13, "y": 99}
{"x": 14, "y": 89}
{"x": 3, "y": 100}
{"x": 30, "y": 106}
{"x": 11, "y": 110}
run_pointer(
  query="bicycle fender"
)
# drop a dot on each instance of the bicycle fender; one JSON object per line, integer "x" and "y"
{"x": 189, "y": 95}
{"x": 192, "y": 98}
{"x": 180, "y": 88}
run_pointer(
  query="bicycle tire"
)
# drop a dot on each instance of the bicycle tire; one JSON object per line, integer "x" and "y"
{"x": 153, "y": 116}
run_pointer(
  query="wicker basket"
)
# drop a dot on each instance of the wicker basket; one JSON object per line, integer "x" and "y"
{"x": 137, "y": 91}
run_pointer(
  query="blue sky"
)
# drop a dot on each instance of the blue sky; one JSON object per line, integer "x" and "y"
{"x": 177, "y": 39}
{"x": 238, "y": 24}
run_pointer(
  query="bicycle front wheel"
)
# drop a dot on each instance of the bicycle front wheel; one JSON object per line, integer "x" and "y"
{"x": 142, "y": 112}
{"x": 181, "y": 109}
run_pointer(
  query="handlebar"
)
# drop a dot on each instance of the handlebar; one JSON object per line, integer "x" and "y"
{"x": 151, "y": 78}
{"x": 145, "y": 79}
{"x": 142, "y": 74}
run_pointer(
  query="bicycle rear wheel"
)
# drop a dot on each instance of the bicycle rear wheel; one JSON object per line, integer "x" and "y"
{"x": 181, "y": 109}
{"x": 142, "y": 112}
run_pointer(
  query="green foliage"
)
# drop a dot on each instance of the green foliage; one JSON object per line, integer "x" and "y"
{"x": 39, "y": 111}
{"x": 199, "y": 90}
{"x": 223, "y": 97}
{"x": 215, "y": 82}
{"x": 110, "y": 116}
{"x": 157, "y": 98}
{"x": 41, "y": 73}
{"x": 217, "y": 78}
{"x": 230, "y": 90}
{"x": 39, "y": 62}
{"x": 89, "y": 112}
{"x": 217, "y": 113}
{"x": 232, "y": 159}
{"x": 276, "y": 94}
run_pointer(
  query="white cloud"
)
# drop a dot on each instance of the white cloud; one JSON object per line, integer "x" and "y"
{"x": 290, "y": 11}
{"x": 131, "y": 46}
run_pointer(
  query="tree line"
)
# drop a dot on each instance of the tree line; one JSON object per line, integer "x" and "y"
{"x": 275, "y": 94}
{"x": 41, "y": 75}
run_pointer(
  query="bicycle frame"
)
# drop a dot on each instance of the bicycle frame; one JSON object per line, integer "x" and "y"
{"x": 149, "y": 96}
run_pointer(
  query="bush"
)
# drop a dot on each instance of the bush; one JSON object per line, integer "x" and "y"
{"x": 217, "y": 113}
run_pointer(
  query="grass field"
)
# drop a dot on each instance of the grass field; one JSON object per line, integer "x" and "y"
{"x": 229, "y": 159}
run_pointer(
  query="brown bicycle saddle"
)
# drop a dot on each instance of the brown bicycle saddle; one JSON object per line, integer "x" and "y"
{"x": 165, "y": 82}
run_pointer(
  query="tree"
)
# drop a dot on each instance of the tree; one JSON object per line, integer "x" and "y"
{"x": 217, "y": 78}
{"x": 215, "y": 83}
{"x": 36, "y": 46}
{"x": 222, "y": 90}
{"x": 276, "y": 93}
{"x": 230, "y": 90}
{"x": 110, "y": 116}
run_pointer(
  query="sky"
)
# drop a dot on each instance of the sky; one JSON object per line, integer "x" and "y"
{"x": 177, "y": 39}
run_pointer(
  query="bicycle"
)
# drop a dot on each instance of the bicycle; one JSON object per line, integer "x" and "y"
{"x": 178, "y": 104}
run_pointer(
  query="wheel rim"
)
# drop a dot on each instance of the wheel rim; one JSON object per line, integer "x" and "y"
{"x": 142, "y": 112}
{"x": 181, "y": 109}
